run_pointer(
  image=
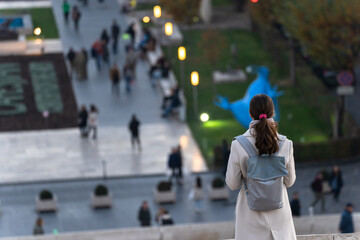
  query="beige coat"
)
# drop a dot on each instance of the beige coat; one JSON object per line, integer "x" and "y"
{"x": 253, "y": 225}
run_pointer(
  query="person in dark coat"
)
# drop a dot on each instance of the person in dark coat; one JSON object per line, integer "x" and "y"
{"x": 131, "y": 31}
{"x": 115, "y": 33}
{"x": 71, "y": 57}
{"x": 82, "y": 121}
{"x": 225, "y": 150}
{"x": 174, "y": 162}
{"x": 179, "y": 164}
{"x": 316, "y": 186}
{"x": 134, "y": 130}
{"x": 105, "y": 36}
{"x": 346, "y": 222}
{"x": 144, "y": 215}
{"x": 336, "y": 182}
{"x": 295, "y": 205}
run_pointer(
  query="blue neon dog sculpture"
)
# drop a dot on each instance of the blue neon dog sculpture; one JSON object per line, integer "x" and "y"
{"x": 261, "y": 84}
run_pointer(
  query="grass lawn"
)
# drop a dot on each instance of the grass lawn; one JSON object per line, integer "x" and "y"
{"x": 304, "y": 110}
{"x": 41, "y": 17}
{"x": 144, "y": 6}
{"x": 219, "y": 3}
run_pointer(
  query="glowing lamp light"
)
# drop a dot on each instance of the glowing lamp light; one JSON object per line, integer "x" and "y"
{"x": 133, "y": 3}
{"x": 37, "y": 31}
{"x": 157, "y": 11}
{"x": 168, "y": 28}
{"x": 254, "y": 1}
{"x": 204, "y": 117}
{"x": 146, "y": 19}
{"x": 195, "y": 78}
{"x": 182, "y": 53}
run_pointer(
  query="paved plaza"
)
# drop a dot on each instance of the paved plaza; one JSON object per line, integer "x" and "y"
{"x": 62, "y": 154}
{"x": 17, "y": 211}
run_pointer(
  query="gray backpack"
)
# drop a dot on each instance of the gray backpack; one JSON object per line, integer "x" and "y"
{"x": 264, "y": 177}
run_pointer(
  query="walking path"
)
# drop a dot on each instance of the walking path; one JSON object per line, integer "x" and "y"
{"x": 61, "y": 154}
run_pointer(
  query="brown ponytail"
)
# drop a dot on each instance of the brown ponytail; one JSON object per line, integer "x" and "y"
{"x": 266, "y": 131}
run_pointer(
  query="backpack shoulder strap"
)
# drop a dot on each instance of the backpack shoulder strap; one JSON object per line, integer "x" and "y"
{"x": 246, "y": 144}
{"x": 282, "y": 141}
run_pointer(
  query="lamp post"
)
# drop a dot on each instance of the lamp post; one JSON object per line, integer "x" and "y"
{"x": 37, "y": 33}
{"x": 182, "y": 57}
{"x": 195, "y": 83}
{"x": 157, "y": 11}
{"x": 168, "y": 27}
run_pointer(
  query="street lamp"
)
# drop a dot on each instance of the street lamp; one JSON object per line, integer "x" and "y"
{"x": 146, "y": 19}
{"x": 195, "y": 83}
{"x": 37, "y": 33}
{"x": 182, "y": 57}
{"x": 204, "y": 117}
{"x": 157, "y": 11}
{"x": 168, "y": 28}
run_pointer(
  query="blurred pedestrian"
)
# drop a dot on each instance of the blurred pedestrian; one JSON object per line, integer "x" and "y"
{"x": 295, "y": 205}
{"x": 144, "y": 215}
{"x": 173, "y": 163}
{"x": 97, "y": 53}
{"x": 134, "y": 126}
{"x": 131, "y": 31}
{"x": 81, "y": 59}
{"x": 93, "y": 121}
{"x": 115, "y": 33}
{"x": 83, "y": 121}
{"x": 175, "y": 102}
{"x": 317, "y": 188}
{"x": 179, "y": 165}
{"x": 128, "y": 75}
{"x": 196, "y": 194}
{"x": 131, "y": 59}
{"x": 105, "y": 36}
{"x": 346, "y": 222}
{"x": 71, "y": 58}
{"x": 66, "y": 10}
{"x": 76, "y": 15}
{"x": 336, "y": 182}
{"x": 105, "y": 52}
{"x": 163, "y": 217}
{"x": 225, "y": 150}
{"x": 115, "y": 79}
{"x": 38, "y": 228}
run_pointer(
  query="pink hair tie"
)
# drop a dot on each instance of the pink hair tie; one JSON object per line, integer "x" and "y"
{"x": 262, "y": 116}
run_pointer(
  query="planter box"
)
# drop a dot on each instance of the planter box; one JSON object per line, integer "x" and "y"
{"x": 164, "y": 197}
{"x": 101, "y": 201}
{"x": 46, "y": 205}
{"x": 218, "y": 193}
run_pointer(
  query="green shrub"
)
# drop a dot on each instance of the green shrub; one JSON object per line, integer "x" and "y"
{"x": 46, "y": 195}
{"x": 164, "y": 186}
{"x": 101, "y": 190}
{"x": 218, "y": 183}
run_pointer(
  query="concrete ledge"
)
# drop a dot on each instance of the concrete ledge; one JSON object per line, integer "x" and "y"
{"x": 208, "y": 231}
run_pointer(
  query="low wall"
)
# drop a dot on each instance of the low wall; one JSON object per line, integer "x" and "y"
{"x": 207, "y": 231}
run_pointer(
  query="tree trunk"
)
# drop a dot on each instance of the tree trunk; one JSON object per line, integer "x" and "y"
{"x": 292, "y": 60}
{"x": 339, "y": 118}
{"x": 239, "y": 5}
